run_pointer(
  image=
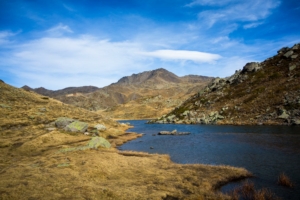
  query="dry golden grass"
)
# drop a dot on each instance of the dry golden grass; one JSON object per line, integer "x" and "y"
{"x": 284, "y": 180}
{"x": 248, "y": 192}
{"x": 33, "y": 165}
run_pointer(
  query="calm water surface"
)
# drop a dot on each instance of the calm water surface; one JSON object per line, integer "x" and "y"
{"x": 266, "y": 151}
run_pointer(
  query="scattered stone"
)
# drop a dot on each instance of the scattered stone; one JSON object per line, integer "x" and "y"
{"x": 98, "y": 142}
{"x": 62, "y": 122}
{"x": 151, "y": 148}
{"x": 282, "y": 50}
{"x": 294, "y": 56}
{"x": 42, "y": 109}
{"x": 50, "y": 129}
{"x": 77, "y": 126}
{"x": 288, "y": 54}
{"x": 185, "y": 113}
{"x": 292, "y": 67}
{"x": 174, "y": 132}
{"x": 100, "y": 127}
{"x": 295, "y": 121}
{"x": 86, "y": 133}
{"x": 283, "y": 114}
{"x": 295, "y": 47}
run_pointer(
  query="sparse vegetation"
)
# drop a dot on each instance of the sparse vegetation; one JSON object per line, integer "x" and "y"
{"x": 248, "y": 192}
{"x": 284, "y": 180}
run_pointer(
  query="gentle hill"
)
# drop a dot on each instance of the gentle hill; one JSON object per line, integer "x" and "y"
{"x": 260, "y": 93}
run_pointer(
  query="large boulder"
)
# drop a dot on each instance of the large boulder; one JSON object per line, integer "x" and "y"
{"x": 288, "y": 54}
{"x": 77, "y": 126}
{"x": 251, "y": 67}
{"x": 62, "y": 122}
{"x": 96, "y": 142}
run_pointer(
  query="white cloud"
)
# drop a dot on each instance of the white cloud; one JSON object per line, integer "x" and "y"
{"x": 194, "y": 56}
{"x": 209, "y": 2}
{"x": 67, "y": 61}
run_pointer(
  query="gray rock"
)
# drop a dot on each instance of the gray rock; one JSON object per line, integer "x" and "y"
{"x": 288, "y": 54}
{"x": 42, "y": 109}
{"x": 296, "y": 46}
{"x": 284, "y": 114}
{"x": 295, "y": 121}
{"x": 77, "y": 126}
{"x": 50, "y": 129}
{"x": 186, "y": 113}
{"x": 96, "y": 142}
{"x": 251, "y": 67}
{"x": 62, "y": 122}
{"x": 174, "y": 132}
{"x": 100, "y": 127}
{"x": 292, "y": 67}
{"x": 282, "y": 50}
{"x": 294, "y": 56}
{"x": 86, "y": 133}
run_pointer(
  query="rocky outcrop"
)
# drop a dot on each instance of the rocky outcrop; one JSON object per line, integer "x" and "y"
{"x": 62, "y": 122}
{"x": 260, "y": 93}
{"x": 77, "y": 126}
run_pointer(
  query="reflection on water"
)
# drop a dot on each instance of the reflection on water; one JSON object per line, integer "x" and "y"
{"x": 266, "y": 151}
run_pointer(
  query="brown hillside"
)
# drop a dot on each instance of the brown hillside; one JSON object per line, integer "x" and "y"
{"x": 139, "y": 96}
{"x": 41, "y": 163}
{"x": 261, "y": 93}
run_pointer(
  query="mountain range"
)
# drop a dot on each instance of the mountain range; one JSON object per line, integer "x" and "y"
{"x": 144, "y": 95}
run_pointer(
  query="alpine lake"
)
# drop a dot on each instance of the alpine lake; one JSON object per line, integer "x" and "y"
{"x": 265, "y": 151}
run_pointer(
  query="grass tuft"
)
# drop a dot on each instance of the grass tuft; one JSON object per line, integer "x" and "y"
{"x": 284, "y": 180}
{"x": 248, "y": 192}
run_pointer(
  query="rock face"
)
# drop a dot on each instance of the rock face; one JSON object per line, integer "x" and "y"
{"x": 260, "y": 93}
{"x": 98, "y": 142}
{"x": 77, "y": 126}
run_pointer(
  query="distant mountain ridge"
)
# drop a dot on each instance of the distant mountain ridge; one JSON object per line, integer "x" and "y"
{"x": 65, "y": 91}
{"x": 160, "y": 82}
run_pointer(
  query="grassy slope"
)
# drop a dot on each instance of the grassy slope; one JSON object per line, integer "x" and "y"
{"x": 32, "y": 165}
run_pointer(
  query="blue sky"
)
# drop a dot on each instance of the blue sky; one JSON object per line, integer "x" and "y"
{"x": 61, "y": 43}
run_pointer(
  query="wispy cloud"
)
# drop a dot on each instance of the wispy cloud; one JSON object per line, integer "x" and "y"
{"x": 194, "y": 56}
{"x": 5, "y": 37}
{"x": 59, "y": 30}
{"x": 233, "y": 10}
{"x": 252, "y": 25}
